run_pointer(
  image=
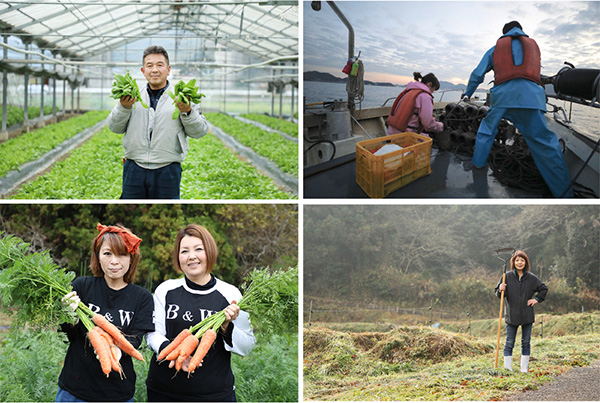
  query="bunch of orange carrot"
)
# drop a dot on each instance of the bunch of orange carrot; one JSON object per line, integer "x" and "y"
{"x": 199, "y": 337}
{"x": 29, "y": 286}
{"x": 105, "y": 338}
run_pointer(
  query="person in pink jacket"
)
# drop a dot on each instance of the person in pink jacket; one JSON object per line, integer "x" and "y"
{"x": 420, "y": 111}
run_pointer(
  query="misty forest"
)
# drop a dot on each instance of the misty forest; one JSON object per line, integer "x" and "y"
{"x": 444, "y": 255}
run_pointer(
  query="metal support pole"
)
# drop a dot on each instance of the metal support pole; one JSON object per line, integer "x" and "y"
{"x": 54, "y": 96}
{"x": 350, "y": 42}
{"x": 72, "y": 98}
{"x": 64, "y": 100}
{"x": 26, "y": 94}
{"x": 281, "y": 102}
{"x": 3, "y": 132}
{"x": 78, "y": 94}
{"x": 225, "y": 86}
{"x": 41, "y": 123}
{"x": 273, "y": 95}
{"x": 292, "y": 113}
{"x": 248, "y": 95}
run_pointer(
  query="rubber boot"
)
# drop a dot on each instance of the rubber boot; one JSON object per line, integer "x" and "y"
{"x": 524, "y": 363}
{"x": 508, "y": 362}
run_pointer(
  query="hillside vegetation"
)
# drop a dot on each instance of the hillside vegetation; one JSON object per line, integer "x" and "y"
{"x": 444, "y": 256}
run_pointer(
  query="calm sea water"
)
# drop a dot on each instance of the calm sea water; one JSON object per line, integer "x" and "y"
{"x": 586, "y": 119}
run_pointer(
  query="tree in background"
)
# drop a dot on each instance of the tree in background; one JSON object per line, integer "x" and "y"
{"x": 248, "y": 235}
{"x": 411, "y": 255}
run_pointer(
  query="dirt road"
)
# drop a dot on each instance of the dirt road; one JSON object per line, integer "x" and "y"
{"x": 581, "y": 384}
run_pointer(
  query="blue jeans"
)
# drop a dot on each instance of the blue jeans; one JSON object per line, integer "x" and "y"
{"x": 154, "y": 396}
{"x": 542, "y": 142}
{"x": 64, "y": 396}
{"x": 511, "y": 335}
{"x": 141, "y": 183}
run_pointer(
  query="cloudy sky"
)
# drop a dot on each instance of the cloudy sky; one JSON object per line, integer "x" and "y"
{"x": 447, "y": 38}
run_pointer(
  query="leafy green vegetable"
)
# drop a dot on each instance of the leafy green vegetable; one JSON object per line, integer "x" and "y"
{"x": 270, "y": 372}
{"x": 284, "y": 153}
{"x": 92, "y": 171}
{"x": 271, "y": 299}
{"x": 185, "y": 93}
{"x": 285, "y": 126}
{"x": 34, "y": 284}
{"x": 30, "y": 363}
{"x": 126, "y": 85}
{"x": 213, "y": 171}
{"x": 16, "y": 114}
{"x": 30, "y": 146}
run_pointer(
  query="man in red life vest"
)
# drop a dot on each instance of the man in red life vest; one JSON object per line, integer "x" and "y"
{"x": 518, "y": 96}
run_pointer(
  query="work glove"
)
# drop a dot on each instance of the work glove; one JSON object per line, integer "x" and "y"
{"x": 71, "y": 301}
{"x": 118, "y": 353}
{"x": 464, "y": 98}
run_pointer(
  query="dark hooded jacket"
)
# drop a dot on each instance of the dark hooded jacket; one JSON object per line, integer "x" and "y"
{"x": 517, "y": 293}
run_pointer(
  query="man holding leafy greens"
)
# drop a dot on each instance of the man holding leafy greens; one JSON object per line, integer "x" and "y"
{"x": 155, "y": 144}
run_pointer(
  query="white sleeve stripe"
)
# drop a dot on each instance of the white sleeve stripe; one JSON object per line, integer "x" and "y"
{"x": 158, "y": 337}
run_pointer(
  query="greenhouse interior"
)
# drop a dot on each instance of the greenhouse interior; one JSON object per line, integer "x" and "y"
{"x": 59, "y": 64}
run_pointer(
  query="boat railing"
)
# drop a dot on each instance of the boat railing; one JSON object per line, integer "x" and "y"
{"x": 441, "y": 95}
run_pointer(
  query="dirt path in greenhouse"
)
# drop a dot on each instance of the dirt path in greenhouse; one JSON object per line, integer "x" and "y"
{"x": 579, "y": 384}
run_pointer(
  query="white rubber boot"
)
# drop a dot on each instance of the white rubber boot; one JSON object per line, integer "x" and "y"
{"x": 508, "y": 362}
{"x": 524, "y": 363}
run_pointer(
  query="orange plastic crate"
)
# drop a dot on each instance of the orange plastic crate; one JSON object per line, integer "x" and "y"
{"x": 379, "y": 175}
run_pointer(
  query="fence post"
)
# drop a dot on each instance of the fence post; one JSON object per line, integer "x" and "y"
{"x": 469, "y": 316}
{"x": 309, "y": 314}
{"x": 431, "y": 315}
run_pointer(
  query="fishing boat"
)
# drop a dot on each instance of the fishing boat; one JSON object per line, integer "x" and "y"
{"x": 335, "y": 129}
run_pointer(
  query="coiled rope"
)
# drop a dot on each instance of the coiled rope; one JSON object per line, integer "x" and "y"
{"x": 355, "y": 86}
{"x": 510, "y": 159}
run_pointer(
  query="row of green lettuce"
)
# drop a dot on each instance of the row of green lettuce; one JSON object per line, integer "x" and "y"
{"x": 16, "y": 115}
{"x": 30, "y": 363}
{"x": 32, "y": 145}
{"x": 94, "y": 171}
{"x": 283, "y": 152}
{"x": 284, "y": 126}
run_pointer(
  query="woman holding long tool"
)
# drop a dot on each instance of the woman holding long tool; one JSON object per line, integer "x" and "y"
{"x": 522, "y": 291}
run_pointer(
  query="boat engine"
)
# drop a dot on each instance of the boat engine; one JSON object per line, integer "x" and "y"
{"x": 577, "y": 83}
{"x": 338, "y": 124}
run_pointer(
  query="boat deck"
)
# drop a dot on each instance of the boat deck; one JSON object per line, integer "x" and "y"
{"x": 452, "y": 176}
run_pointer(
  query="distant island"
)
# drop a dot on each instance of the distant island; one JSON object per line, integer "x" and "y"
{"x": 329, "y": 78}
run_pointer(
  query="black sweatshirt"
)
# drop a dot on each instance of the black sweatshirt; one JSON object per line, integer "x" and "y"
{"x": 180, "y": 304}
{"x": 130, "y": 309}
{"x": 517, "y": 293}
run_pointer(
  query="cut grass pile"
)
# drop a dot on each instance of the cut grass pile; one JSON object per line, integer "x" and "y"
{"x": 411, "y": 363}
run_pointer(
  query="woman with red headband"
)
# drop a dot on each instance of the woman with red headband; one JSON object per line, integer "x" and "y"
{"x": 114, "y": 260}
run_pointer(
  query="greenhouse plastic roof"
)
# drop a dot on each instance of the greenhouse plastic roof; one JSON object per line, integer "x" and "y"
{"x": 80, "y": 29}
